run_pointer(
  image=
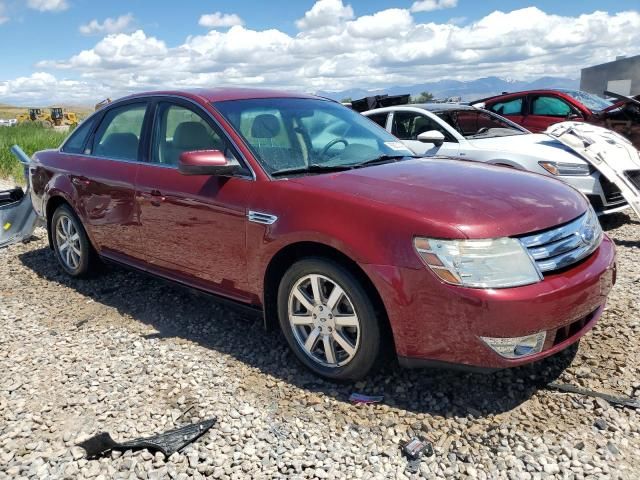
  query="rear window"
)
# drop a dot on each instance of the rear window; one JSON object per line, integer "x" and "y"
{"x": 78, "y": 139}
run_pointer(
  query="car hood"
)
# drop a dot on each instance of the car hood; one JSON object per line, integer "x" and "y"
{"x": 454, "y": 198}
{"x": 529, "y": 145}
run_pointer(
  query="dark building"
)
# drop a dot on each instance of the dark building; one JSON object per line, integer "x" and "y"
{"x": 621, "y": 76}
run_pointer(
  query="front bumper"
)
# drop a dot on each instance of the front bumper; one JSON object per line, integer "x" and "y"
{"x": 437, "y": 323}
{"x": 605, "y": 197}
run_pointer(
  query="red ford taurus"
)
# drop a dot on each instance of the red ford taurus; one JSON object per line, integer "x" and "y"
{"x": 303, "y": 208}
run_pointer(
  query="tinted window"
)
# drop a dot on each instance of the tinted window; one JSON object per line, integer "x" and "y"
{"x": 179, "y": 129}
{"x": 119, "y": 133}
{"x": 78, "y": 138}
{"x": 379, "y": 118}
{"x": 550, "y": 107}
{"x": 408, "y": 125}
{"x": 511, "y": 107}
{"x": 478, "y": 123}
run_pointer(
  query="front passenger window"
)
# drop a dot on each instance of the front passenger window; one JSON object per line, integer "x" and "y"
{"x": 550, "y": 107}
{"x": 180, "y": 130}
{"x": 118, "y": 136}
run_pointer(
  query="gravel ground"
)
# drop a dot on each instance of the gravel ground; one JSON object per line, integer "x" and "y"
{"x": 127, "y": 354}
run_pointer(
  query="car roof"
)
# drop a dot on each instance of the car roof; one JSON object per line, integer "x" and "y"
{"x": 223, "y": 94}
{"x": 441, "y": 107}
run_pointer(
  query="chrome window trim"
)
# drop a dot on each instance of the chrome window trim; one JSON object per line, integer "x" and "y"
{"x": 161, "y": 95}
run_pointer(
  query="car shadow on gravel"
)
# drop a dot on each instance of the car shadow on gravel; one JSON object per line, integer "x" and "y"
{"x": 616, "y": 220}
{"x": 178, "y": 313}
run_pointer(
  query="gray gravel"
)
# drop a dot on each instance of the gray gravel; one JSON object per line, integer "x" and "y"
{"x": 128, "y": 354}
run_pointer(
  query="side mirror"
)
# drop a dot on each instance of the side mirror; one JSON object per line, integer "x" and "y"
{"x": 431, "y": 136}
{"x": 206, "y": 162}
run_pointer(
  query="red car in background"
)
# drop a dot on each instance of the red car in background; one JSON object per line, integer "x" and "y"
{"x": 307, "y": 210}
{"x": 536, "y": 110}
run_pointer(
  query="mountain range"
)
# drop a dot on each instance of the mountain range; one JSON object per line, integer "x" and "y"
{"x": 468, "y": 90}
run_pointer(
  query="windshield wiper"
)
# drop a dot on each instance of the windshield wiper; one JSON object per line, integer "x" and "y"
{"x": 313, "y": 168}
{"x": 383, "y": 159}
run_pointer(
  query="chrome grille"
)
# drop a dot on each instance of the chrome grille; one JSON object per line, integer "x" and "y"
{"x": 563, "y": 246}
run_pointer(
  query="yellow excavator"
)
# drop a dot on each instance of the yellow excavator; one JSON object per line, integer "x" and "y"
{"x": 36, "y": 115}
{"x": 61, "y": 117}
{"x": 56, "y": 116}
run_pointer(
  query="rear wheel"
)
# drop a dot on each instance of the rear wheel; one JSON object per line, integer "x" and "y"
{"x": 328, "y": 319}
{"x": 70, "y": 242}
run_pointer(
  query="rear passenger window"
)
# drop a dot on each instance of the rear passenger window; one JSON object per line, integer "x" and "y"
{"x": 78, "y": 138}
{"x": 511, "y": 107}
{"x": 119, "y": 133}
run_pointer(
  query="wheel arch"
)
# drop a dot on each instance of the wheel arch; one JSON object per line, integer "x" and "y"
{"x": 52, "y": 205}
{"x": 294, "y": 252}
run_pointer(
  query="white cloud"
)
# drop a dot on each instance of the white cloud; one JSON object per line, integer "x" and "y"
{"x": 387, "y": 23}
{"x": 325, "y": 13}
{"x": 431, "y": 5}
{"x": 110, "y": 25}
{"x": 48, "y": 5}
{"x": 220, "y": 20}
{"x": 372, "y": 51}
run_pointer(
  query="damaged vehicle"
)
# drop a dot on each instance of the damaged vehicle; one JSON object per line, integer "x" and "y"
{"x": 537, "y": 110}
{"x": 18, "y": 219}
{"x": 300, "y": 207}
{"x": 467, "y": 132}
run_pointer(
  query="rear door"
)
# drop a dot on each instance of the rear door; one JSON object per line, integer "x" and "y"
{"x": 193, "y": 226}
{"x": 511, "y": 108}
{"x": 545, "y": 110}
{"x": 106, "y": 188}
{"x": 407, "y": 125}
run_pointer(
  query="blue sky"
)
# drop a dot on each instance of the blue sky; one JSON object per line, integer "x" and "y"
{"x": 157, "y": 30}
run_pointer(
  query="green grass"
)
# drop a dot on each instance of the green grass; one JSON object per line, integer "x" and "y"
{"x": 30, "y": 138}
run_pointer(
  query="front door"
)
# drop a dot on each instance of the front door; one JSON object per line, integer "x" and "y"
{"x": 407, "y": 125}
{"x": 193, "y": 226}
{"x": 546, "y": 110}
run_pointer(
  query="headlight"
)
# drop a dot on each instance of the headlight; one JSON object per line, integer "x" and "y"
{"x": 559, "y": 168}
{"x": 493, "y": 263}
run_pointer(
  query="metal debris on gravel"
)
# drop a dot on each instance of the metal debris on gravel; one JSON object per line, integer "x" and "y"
{"x": 127, "y": 354}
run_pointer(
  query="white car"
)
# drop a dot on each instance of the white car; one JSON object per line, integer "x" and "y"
{"x": 467, "y": 132}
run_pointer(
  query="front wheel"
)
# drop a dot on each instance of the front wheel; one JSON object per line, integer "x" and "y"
{"x": 328, "y": 319}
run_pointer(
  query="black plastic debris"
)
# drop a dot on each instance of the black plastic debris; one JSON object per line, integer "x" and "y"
{"x": 414, "y": 450}
{"x": 365, "y": 399}
{"x": 168, "y": 443}
{"x": 613, "y": 399}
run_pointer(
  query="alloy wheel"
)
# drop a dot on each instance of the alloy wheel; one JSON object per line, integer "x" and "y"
{"x": 323, "y": 320}
{"x": 68, "y": 242}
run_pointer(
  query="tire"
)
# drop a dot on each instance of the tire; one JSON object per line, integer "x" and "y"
{"x": 78, "y": 257}
{"x": 341, "y": 331}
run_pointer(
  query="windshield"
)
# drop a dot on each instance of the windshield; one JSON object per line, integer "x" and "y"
{"x": 298, "y": 133}
{"x": 592, "y": 102}
{"x": 480, "y": 124}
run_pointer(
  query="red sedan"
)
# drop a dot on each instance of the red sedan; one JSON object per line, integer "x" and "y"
{"x": 300, "y": 207}
{"x": 536, "y": 110}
